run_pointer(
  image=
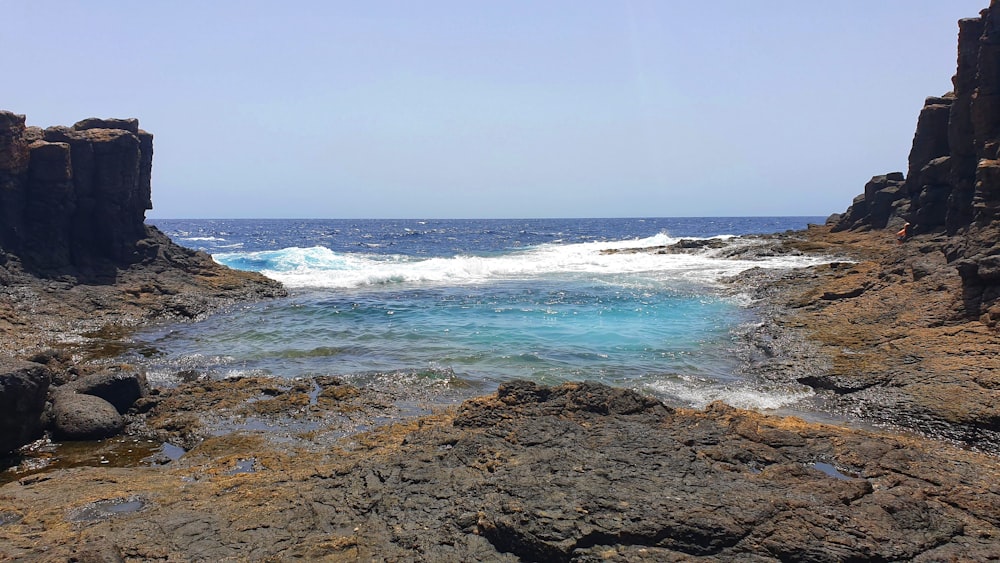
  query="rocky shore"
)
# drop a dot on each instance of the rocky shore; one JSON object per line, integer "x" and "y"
{"x": 316, "y": 469}
{"x": 900, "y": 337}
{"x": 580, "y": 472}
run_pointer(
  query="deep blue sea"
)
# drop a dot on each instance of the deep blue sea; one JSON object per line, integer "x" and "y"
{"x": 469, "y": 304}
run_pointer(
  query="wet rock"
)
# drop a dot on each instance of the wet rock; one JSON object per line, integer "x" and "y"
{"x": 84, "y": 417}
{"x": 23, "y": 389}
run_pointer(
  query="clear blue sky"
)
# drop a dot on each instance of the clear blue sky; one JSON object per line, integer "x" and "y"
{"x": 505, "y": 108}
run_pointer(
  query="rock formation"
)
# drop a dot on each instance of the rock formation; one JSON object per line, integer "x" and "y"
{"x": 73, "y": 199}
{"x": 952, "y": 185}
{"x": 77, "y": 256}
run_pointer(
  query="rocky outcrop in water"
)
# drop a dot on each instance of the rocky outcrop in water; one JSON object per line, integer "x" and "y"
{"x": 952, "y": 185}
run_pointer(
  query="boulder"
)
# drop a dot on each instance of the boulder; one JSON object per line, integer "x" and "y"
{"x": 121, "y": 388}
{"x": 23, "y": 389}
{"x": 76, "y": 416}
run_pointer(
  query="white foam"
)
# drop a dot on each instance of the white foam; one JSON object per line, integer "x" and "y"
{"x": 699, "y": 394}
{"x": 319, "y": 267}
{"x": 203, "y": 238}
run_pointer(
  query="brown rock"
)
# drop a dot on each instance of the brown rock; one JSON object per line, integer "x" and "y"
{"x": 579, "y": 472}
{"x": 952, "y": 184}
{"x": 986, "y": 200}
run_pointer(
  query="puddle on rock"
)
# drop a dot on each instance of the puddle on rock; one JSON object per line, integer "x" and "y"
{"x": 314, "y": 393}
{"x": 123, "y": 451}
{"x": 832, "y": 471}
{"x": 7, "y": 517}
{"x": 106, "y": 508}
{"x": 244, "y": 466}
{"x": 173, "y": 452}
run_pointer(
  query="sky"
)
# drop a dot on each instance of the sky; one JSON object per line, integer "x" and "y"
{"x": 492, "y": 108}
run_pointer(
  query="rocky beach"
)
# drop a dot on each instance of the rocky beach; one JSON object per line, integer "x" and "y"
{"x": 897, "y": 336}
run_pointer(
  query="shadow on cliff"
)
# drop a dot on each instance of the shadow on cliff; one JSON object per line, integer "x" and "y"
{"x": 951, "y": 191}
{"x": 73, "y": 200}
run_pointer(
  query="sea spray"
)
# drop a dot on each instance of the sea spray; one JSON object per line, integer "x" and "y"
{"x": 474, "y": 304}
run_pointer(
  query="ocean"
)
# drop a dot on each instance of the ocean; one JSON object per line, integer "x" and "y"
{"x": 453, "y": 308}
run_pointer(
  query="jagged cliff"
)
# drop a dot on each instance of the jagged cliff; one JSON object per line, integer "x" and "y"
{"x": 951, "y": 190}
{"x": 78, "y": 261}
{"x": 74, "y": 198}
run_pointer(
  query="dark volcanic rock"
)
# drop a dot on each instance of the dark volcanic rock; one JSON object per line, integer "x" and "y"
{"x": 14, "y": 157}
{"x": 121, "y": 388}
{"x": 877, "y": 205}
{"x": 953, "y": 181}
{"x": 579, "y": 472}
{"x": 23, "y": 388}
{"x": 77, "y": 257}
{"x": 74, "y": 200}
{"x": 130, "y": 125}
{"x": 83, "y": 417}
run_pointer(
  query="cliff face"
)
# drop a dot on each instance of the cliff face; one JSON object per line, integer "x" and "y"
{"x": 952, "y": 185}
{"x": 78, "y": 263}
{"x": 73, "y": 199}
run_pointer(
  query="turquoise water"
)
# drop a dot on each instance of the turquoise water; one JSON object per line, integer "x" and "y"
{"x": 472, "y": 304}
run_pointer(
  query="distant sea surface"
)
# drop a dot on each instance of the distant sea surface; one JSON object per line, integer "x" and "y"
{"x": 469, "y": 304}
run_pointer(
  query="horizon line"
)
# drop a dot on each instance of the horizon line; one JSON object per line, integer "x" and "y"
{"x": 147, "y": 219}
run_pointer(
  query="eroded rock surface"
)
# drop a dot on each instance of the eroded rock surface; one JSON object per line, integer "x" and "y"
{"x": 581, "y": 472}
{"x": 886, "y": 329}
